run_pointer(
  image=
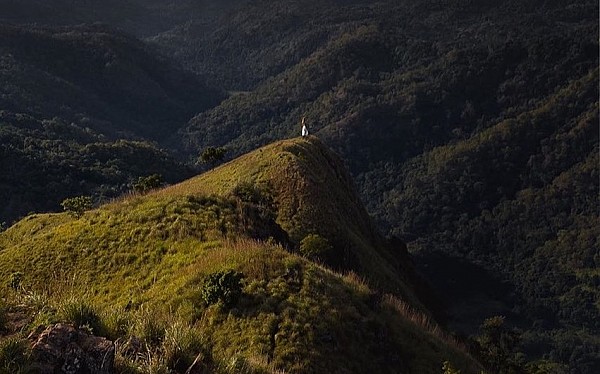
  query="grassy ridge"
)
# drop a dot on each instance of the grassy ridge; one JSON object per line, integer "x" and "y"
{"x": 313, "y": 194}
{"x": 140, "y": 264}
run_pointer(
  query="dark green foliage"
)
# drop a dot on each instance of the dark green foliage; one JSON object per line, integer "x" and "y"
{"x": 460, "y": 141}
{"x": 3, "y": 316}
{"x": 212, "y": 155}
{"x": 315, "y": 247}
{"x": 497, "y": 347}
{"x": 82, "y": 314}
{"x": 152, "y": 330}
{"x": 44, "y": 162}
{"x": 15, "y": 280}
{"x": 249, "y": 193}
{"x": 469, "y": 126}
{"x": 73, "y": 101}
{"x": 76, "y": 206}
{"x": 145, "y": 184}
{"x": 448, "y": 368}
{"x": 222, "y": 287}
{"x": 13, "y": 355}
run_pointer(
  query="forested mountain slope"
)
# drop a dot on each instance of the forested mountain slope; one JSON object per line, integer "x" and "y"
{"x": 76, "y": 105}
{"x": 140, "y": 269}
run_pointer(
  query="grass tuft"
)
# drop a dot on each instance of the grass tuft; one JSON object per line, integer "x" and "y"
{"x": 13, "y": 355}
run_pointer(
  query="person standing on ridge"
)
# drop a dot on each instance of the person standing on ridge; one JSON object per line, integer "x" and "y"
{"x": 304, "y": 128}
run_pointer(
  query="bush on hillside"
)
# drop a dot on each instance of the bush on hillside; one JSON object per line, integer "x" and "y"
{"x": 315, "y": 247}
{"x": 448, "y": 368}
{"x": 248, "y": 193}
{"x": 76, "y": 206}
{"x": 222, "y": 287}
{"x": 145, "y": 184}
{"x": 81, "y": 314}
{"x": 212, "y": 155}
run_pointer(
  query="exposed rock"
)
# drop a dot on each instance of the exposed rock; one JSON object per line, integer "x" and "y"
{"x": 65, "y": 349}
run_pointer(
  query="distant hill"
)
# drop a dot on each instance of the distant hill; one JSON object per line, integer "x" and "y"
{"x": 141, "y": 18}
{"x": 140, "y": 266}
{"x": 68, "y": 96}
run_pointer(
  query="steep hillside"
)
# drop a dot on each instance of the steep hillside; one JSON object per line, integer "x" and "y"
{"x": 312, "y": 193}
{"x": 140, "y": 267}
{"x": 78, "y": 109}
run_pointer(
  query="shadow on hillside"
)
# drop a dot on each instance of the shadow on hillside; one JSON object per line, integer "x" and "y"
{"x": 468, "y": 292}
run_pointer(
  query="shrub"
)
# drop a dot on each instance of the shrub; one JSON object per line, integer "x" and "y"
{"x": 150, "y": 327}
{"x": 81, "y": 314}
{"x": 248, "y": 192}
{"x": 315, "y": 247}
{"x": 212, "y": 155}
{"x": 116, "y": 324}
{"x": 15, "y": 280}
{"x": 145, "y": 184}
{"x": 181, "y": 345}
{"x": 13, "y": 355}
{"x": 223, "y": 286}
{"x": 76, "y": 206}
{"x": 448, "y": 368}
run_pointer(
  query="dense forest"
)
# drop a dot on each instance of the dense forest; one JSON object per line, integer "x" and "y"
{"x": 470, "y": 128}
{"x": 82, "y": 111}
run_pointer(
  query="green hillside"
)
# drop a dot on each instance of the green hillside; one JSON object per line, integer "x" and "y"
{"x": 139, "y": 266}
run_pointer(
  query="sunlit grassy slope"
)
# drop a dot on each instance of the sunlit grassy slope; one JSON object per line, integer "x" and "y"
{"x": 141, "y": 263}
{"x": 312, "y": 194}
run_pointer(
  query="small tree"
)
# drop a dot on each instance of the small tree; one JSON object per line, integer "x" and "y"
{"x": 76, "y": 206}
{"x": 497, "y": 346}
{"x": 212, "y": 155}
{"x": 448, "y": 368}
{"x": 315, "y": 247}
{"x": 223, "y": 286}
{"x": 145, "y": 184}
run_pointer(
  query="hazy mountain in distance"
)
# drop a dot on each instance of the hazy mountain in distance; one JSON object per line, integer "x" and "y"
{"x": 142, "y": 18}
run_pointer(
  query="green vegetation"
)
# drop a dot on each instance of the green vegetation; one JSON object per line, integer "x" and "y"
{"x": 81, "y": 108}
{"x": 472, "y": 143}
{"x": 148, "y": 183}
{"x": 146, "y": 269}
{"x": 470, "y": 128}
{"x": 81, "y": 314}
{"x": 212, "y": 155}
{"x": 315, "y": 247}
{"x": 311, "y": 193}
{"x": 76, "y": 206}
{"x": 3, "y": 316}
{"x": 223, "y": 286}
{"x": 448, "y": 368}
{"x": 15, "y": 279}
{"x": 13, "y": 355}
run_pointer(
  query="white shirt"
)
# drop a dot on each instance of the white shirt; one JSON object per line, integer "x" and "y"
{"x": 304, "y": 130}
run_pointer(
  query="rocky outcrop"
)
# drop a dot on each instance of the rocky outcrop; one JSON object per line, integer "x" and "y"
{"x": 65, "y": 349}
